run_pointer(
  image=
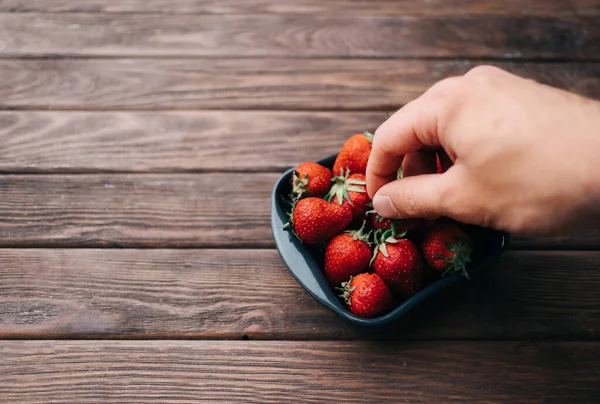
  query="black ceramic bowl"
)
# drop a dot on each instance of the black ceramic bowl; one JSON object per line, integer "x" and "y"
{"x": 305, "y": 263}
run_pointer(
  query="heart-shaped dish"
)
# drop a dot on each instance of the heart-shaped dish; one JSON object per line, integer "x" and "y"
{"x": 305, "y": 262}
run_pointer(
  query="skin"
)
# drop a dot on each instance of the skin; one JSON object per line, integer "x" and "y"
{"x": 520, "y": 156}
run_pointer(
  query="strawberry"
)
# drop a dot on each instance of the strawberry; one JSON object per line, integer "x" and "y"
{"x": 367, "y": 295}
{"x": 314, "y": 220}
{"x": 447, "y": 249}
{"x": 311, "y": 179}
{"x": 398, "y": 262}
{"x": 350, "y": 190}
{"x": 438, "y": 163}
{"x": 347, "y": 254}
{"x": 354, "y": 154}
{"x": 381, "y": 223}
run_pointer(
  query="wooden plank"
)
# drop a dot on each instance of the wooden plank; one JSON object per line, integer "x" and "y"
{"x": 308, "y": 35}
{"x": 238, "y": 294}
{"x": 337, "y": 7}
{"x": 587, "y": 239}
{"x": 38, "y": 142}
{"x": 154, "y": 210}
{"x": 298, "y": 372}
{"x": 249, "y": 83}
{"x": 145, "y": 210}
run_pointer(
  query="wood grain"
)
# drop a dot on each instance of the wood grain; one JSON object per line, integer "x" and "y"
{"x": 153, "y": 210}
{"x": 336, "y": 7}
{"x": 308, "y": 35}
{"x": 39, "y": 142}
{"x": 249, "y": 83}
{"x": 587, "y": 240}
{"x": 299, "y": 372}
{"x": 148, "y": 210}
{"x": 236, "y": 294}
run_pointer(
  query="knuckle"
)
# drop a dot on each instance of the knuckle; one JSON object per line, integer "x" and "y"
{"x": 447, "y": 97}
{"x": 382, "y": 146}
{"x": 446, "y": 88}
{"x": 383, "y": 138}
{"x": 483, "y": 71}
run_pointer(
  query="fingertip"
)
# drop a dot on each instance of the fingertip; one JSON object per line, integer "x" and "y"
{"x": 385, "y": 207}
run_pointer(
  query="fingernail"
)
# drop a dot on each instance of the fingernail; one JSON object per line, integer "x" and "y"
{"x": 384, "y": 206}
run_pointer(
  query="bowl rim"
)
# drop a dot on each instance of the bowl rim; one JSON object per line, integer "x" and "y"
{"x": 280, "y": 235}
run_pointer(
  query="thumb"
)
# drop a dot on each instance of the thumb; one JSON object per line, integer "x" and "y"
{"x": 421, "y": 196}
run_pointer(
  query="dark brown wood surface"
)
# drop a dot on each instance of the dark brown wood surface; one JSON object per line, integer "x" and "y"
{"x": 157, "y": 210}
{"x": 139, "y": 143}
{"x": 299, "y": 35}
{"x": 312, "y": 84}
{"x": 184, "y": 210}
{"x": 75, "y": 293}
{"x": 300, "y": 372}
{"x": 313, "y": 7}
{"x": 172, "y": 141}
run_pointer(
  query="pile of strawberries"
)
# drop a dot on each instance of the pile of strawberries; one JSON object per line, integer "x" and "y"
{"x": 373, "y": 262}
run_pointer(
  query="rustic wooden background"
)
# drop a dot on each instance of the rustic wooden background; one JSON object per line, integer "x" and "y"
{"x": 139, "y": 142}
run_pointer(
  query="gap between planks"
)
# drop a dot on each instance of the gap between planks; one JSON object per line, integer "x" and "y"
{"x": 304, "y": 35}
{"x": 276, "y": 372}
{"x": 157, "y": 211}
{"x": 196, "y": 294}
{"x": 253, "y": 84}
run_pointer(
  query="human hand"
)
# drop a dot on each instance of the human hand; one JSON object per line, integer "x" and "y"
{"x": 521, "y": 155}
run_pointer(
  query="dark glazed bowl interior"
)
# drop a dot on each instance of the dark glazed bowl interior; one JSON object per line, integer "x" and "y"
{"x": 305, "y": 262}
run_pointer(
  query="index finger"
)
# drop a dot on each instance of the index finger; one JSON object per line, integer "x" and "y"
{"x": 410, "y": 129}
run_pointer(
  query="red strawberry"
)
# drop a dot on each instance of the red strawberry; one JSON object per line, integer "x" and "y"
{"x": 354, "y": 154}
{"x": 347, "y": 254}
{"x": 350, "y": 190}
{"x": 447, "y": 249}
{"x": 439, "y": 167}
{"x": 311, "y": 179}
{"x": 381, "y": 223}
{"x": 366, "y": 295}
{"x": 315, "y": 220}
{"x": 398, "y": 262}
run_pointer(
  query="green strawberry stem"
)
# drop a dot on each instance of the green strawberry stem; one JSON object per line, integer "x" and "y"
{"x": 462, "y": 256}
{"x": 299, "y": 184}
{"x": 342, "y": 185}
{"x": 290, "y": 203}
{"x": 346, "y": 290}
{"x": 387, "y": 237}
{"x": 368, "y": 136}
{"x": 360, "y": 234}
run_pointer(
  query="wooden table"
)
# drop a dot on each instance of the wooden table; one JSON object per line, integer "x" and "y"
{"x": 140, "y": 140}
